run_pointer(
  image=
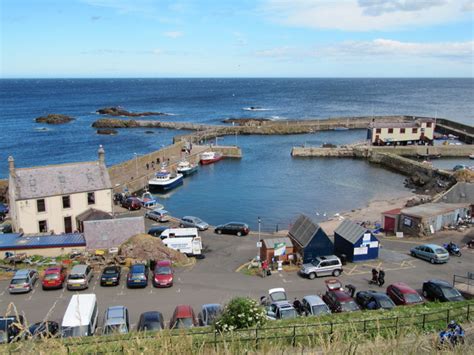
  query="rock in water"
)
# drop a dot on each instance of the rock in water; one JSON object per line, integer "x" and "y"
{"x": 117, "y": 111}
{"x": 107, "y": 131}
{"x": 54, "y": 118}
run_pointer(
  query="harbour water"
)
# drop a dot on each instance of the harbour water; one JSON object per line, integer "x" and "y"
{"x": 267, "y": 182}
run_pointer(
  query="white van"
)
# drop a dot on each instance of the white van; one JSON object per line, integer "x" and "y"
{"x": 81, "y": 316}
{"x": 184, "y": 240}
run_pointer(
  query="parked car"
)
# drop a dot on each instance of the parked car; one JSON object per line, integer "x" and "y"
{"x": 110, "y": 276}
{"x": 44, "y": 329}
{"x": 374, "y": 300}
{"x": 54, "y": 277}
{"x": 183, "y": 317}
{"x": 116, "y": 320}
{"x": 156, "y": 231}
{"x": 11, "y": 328}
{"x": 337, "y": 299}
{"x": 281, "y": 310}
{"x": 441, "y": 290}
{"x": 274, "y": 295}
{"x": 132, "y": 203}
{"x": 314, "y": 306}
{"x": 137, "y": 276}
{"x": 239, "y": 229}
{"x": 23, "y": 281}
{"x": 433, "y": 253}
{"x": 209, "y": 313}
{"x": 79, "y": 277}
{"x": 6, "y": 227}
{"x": 193, "y": 222}
{"x": 163, "y": 274}
{"x": 322, "y": 266}
{"x": 152, "y": 320}
{"x": 402, "y": 294}
{"x": 158, "y": 215}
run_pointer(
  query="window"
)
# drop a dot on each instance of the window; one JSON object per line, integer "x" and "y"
{"x": 41, "y": 205}
{"x": 428, "y": 124}
{"x": 378, "y": 130}
{"x": 67, "y": 225}
{"x": 90, "y": 198}
{"x": 402, "y": 130}
{"x": 407, "y": 222}
{"x": 66, "y": 201}
{"x": 390, "y": 130}
{"x": 414, "y": 130}
{"x": 43, "y": 226}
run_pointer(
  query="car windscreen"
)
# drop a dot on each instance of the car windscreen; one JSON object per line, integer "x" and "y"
{"x": 319, "y": 309}
{"x": 51, "y": 276}
{"x": 110, "y": 271}
{"x": 412, "y": 298}
{"x": 152, "y": 325}
{"x": 19, "y": 281}
{"x": 287, "y": 313}
{"x": 5, "y": 323}
{"x": 213, "y": 313}
{"x": 163, "y": 270}
{"x": 116, "y": 329}
{"x": 278, "y": 296}
{"x": 440, "y": 251}
{"x": 386, "y": 303}
{"x": 68, "y": 332}
{"x": 184, "y": 323}
{"x": 349, "y": 306}
{"x": 449, "y": 292}
{"x": 76, "y": 277}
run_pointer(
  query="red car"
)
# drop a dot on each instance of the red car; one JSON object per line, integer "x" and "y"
{"x": 402, "y": 294}
{"x": 337, "y": 299}
{"x": 132, "y": 203}
{"x": 54, "y": 277}
{"x": 183, "y": 317}
{"x": 163, "y": 274}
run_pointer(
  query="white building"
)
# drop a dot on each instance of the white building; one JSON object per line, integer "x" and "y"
{"x": 48, "y": 199}
{"x": 420, "y": 130}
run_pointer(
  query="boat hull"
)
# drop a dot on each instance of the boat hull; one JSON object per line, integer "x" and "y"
{"x": 188, "y": 171}
{"x": 210, "y": 161}
{"x": 165, "y": 186}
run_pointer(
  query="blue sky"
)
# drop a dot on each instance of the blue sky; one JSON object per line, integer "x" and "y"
{"x": 242, "y": 38}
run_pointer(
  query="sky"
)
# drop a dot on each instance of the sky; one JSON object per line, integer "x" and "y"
{"x": 236, "y": 38}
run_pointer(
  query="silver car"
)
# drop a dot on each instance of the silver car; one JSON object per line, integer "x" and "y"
{"x": 116, "y": 320}
{"x": 79, "y": 277}
{"x": 322, "y": 266}
{"x": 314, "y": 306}
{"x": 433, "y": 253}
{"x": 23, "y": 281}
{"x": 193, "y": 222}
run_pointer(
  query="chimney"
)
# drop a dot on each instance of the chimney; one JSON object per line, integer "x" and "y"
{"x": 11, "y": 165}
{"x": 101, "y": 152}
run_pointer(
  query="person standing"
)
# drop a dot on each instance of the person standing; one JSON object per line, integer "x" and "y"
{"x": 264, "y": 268}
{"x": 375, "y": 277}
{"x": 381, "y": 278}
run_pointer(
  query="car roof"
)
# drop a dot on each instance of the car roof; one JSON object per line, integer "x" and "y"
{"x": 152, "y": 315}
{"x": 313, "y": 300}
{"x": 239, "y": 223}
{"x": 80, "y": 268}
{"x": 440, "y": 282}
{"x": 163, "y": 263}
{"x": 282, "y": 304}
{"x": 138, "y": 267}
{"x": 327, "y": 257}
{"x": 116, "y": 312}
{"x": 376, "y": 294}
{"x": 111, "y": 267}
{"x": 158, "y": 228}
{"x": 184, "y": 311}
{"x": 53, "y": 270}
{"x": 341, "y": 295}
{"x": 159, "y": 210}
{"x": 211, "y": 306}
{"x": 434, "y": 246}
{"x": 21, "y": 273}
{"x": 403, "y": 287}
{"x": 190, "y": 217}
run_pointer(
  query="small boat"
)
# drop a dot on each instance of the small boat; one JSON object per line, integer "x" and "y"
{"x": 164, "y": 180}
{"x": 340, "y": 128}
{"x": 255, "y": 108}
{"x": 452, "y": 136}
{"x": 186, "y": 168}
{"x": 471, "y": 156}
{"x": 210, "y": 157}
{"x": 148, "y": 200}
{"x": 41, "y": 129}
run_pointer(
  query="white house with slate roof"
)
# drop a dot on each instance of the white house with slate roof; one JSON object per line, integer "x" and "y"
{"x": 48, "y": 199}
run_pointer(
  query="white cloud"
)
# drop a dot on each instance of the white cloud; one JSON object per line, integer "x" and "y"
{"x": 173, "y": 34}
{"x": 363, "y": 15}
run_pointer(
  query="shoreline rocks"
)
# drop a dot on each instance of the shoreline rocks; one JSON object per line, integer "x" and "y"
{"x": 107, "y": 131}
{"x": 246, "y": 121}
{"x": 115, "y": 123}
{"x": 54, "y": 118}
{"x": 117, "y": 111}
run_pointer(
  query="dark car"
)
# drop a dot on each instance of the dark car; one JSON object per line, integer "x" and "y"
{"x": 156, "y": 231}
{"x": 183, "y": 317}
{"x": 374, "y": 300}
{"x": 209, "y": 313}
{"x": 3, "y": 211}
{"x": 110, "y": 276}
{"x": 402, "y": 294}
{"x": 137, "y": 276}
{"x": 151, "y": 321}
{"x": 48, "y": 329}
{"x": 11, "y": 328}
{"x": 132, "y": 203}
{"x": 237, "y": 228}
{"x": 441, "y": 290}
{"x": 340, "y": 301}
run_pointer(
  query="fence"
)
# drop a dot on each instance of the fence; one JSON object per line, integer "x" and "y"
{"x": 464, "y": 284}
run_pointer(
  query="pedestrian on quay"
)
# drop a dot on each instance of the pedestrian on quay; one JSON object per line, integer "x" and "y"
{"x": 147, "y": 166}
{"x": 381, "y": 277}
{"x": 264, "y": 268}
{"x": 375, "y": 277}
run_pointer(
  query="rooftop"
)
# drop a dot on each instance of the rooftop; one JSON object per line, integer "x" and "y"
{"x": 432, "y": 209}
{"x": 350, "y": 231}
{"x": 303, "y": 230}
{"x": 270, "y": 243}
{"x": 16, "y": 241}
{"x": 462, "y": 192}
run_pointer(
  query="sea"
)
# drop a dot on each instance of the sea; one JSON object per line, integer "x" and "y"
{"x": 267, "y": 182}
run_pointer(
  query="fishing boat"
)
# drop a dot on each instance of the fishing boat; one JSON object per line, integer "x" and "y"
{"x": 210, "y": 157}
{"x": 164, "y": 180}
{"x": 148, "y": 200}
{"x": 471, "y": 156}
{"x": 186, "y": 168}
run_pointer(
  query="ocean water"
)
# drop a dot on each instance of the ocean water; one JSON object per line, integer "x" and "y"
{"x": 267, "y": 182}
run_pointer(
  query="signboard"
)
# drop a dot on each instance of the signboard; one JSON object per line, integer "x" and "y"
{"x": 366, "y": 237}
{"x": 259, "y": 244}
{"x": 279, "y": 249}
{"x": 399, "y": 234}
{"x": 361, "y": 251}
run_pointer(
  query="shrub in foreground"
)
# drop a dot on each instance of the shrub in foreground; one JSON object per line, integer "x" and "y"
{"x": 241, "y": 313}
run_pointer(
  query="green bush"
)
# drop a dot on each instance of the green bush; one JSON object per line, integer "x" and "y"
{"x": 241, "y": 313}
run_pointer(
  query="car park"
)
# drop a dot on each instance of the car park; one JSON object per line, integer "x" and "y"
{"x": 110, "y": 276}
{"x": 11, "y": 328}
{"x": 236, "y": 228}
{"x": 137, "y": 276}
{"x": 402, "y": 294}
{"x": 80, "y": 318}
{"x": 132, "y": 203}
{"x": 54, "y": 277}
{"x": 116, "y": 320}
{"x": 374, "y": 300}
{"x": 439, "y": 290}
{"x": 209, "y": 313}
{"x": 193, "y": 222}
{"x": 157, "y": 231}
{"x": 183, "y": 317}
{"x": 152, "y": 320}
{"x": 163, "y": 274}
{"x": 158, "y": 215}
{"x": 23, "y": 281}
{"x": 281, "y": 310}
{"x": 433, "y": 253}
{"x": 313, "y": 305}
{"x": 44, "y": 329}
{"x": 322, "y": 266}
{"x": 79, "y": 277}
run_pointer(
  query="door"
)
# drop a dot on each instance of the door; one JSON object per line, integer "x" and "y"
{"x": 389, "y": 224}
{"x": 67, "y": 225}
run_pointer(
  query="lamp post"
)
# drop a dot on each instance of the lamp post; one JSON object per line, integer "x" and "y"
{"x": 259, "y": 223}
{"x": 136, "y": 164}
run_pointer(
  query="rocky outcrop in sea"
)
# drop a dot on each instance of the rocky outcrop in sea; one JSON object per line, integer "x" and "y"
{"x": 117, "y": 111}
{"x": 54, "y": 118}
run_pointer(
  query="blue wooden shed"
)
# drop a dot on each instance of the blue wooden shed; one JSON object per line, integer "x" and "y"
{"x": 355, "y": 241}
{"x": 309, "y": 239}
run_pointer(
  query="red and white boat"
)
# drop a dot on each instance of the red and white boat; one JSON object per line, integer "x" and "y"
{"x": 210, "y": 157}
